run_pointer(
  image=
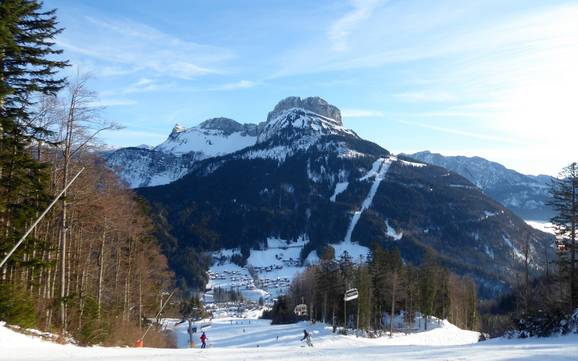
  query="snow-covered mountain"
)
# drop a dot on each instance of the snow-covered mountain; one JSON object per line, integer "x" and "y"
{"x": 212, "y": 137}
{"x": 309, "y": 181}
{"x": 525, "y": 195}
{"x": 145, "y": 166}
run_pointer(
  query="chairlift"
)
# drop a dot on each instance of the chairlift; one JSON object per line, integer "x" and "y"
{"x": 300, "y": 309}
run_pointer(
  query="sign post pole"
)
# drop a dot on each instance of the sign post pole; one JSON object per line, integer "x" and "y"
{"x": 349, "y": 295}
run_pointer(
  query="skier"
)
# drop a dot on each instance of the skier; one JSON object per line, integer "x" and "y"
{"x": 307, "y": 338}
{"x": 203, "y": 340}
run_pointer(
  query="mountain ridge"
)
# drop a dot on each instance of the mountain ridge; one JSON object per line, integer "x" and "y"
{"x": 526, "y": 195}
{"x": 330, "y": 187}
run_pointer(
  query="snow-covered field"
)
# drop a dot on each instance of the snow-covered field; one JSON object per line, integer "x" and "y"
{"x": 251, "y": 339}
{"x": 542, "y": 226}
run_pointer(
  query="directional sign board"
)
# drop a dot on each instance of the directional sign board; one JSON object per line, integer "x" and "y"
{"x": 351, "y": 294}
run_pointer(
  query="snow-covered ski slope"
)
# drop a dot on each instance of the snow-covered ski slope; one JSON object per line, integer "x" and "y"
{"x": 227, "y": 341}
{"x": 251, "y": 333}
{"x": 378, "y": 172}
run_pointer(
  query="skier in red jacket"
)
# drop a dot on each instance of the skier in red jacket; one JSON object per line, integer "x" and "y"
{"x": 203, "y": 340}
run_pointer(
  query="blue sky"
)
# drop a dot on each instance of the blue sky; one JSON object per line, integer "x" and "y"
{"x": 498, "y": 79}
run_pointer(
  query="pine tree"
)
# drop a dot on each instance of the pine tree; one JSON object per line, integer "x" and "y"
{"x": 378, "y": 264}
{"x": 26, "y": 64}
{"x": 564, "y": 192}
{"x": 363, "y": 283}
{"x": 395, "y": 268}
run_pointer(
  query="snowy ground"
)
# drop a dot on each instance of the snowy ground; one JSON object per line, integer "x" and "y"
{"x": 237, "y": 339}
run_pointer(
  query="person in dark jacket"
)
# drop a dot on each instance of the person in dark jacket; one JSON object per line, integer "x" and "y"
{"x": 307, "y": 338}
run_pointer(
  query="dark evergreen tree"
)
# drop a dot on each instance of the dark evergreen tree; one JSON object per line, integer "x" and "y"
{"x": 282, "y": 312}
{"x": 27, "y": 65}
{"x": 363, "y": 284}
{"x": 329, "y": 288}
{"x": 428, "y": 286}
{"x": 27, "y": 69}
{"x": 377, "y": 265}
{"x": 395, "y": 268}
{"x": 564, "y": 192}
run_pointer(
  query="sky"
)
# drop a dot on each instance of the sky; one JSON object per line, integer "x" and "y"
{"x": 491, "y": 78}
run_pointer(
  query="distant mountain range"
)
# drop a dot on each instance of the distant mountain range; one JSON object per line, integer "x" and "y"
{"x": 146, "y": 166}
{"x": 302, "y": 175}
{"x": 525, "y": 195}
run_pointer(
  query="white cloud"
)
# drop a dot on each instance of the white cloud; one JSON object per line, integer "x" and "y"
{"x": 425, "y": 96}
{"x": 113, "y": 102}
{"x": 340, "y": 29}
{"x": 119, "y": 46}
{"x": 242, "y": 84}
{"x": 361, "y": 113}
{"x": 462, "y": 132}
{"x": 512, "y": 80}
{"x": 130, "y": 136}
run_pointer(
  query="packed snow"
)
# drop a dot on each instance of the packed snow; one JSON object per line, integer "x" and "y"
{"x": 354, "y": 250}
{"x": 251, "y": 339}
{"x": 249, "y": 332}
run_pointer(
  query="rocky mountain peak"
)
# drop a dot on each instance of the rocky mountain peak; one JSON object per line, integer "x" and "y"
{"x": 312, "y": 104}
{"x": 178, "y": 128}
{"x": 306, "y": 119}
{"x": 227, "y": 125}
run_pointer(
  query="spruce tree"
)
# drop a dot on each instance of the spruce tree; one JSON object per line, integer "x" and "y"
{"x": 26, "y": 69}
{"x": 428, "y": 285}
{"x": 27, "y": 66}
{"x": 564, "y": 192}
{"x": 363, "y": 284}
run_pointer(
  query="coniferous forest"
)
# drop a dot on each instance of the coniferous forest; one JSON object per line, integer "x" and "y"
{"x": 385, "y": 286}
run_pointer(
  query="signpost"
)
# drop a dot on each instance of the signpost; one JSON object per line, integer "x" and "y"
{"x": 350, "y": 294}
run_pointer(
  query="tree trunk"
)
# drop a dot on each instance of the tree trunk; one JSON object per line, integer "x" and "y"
{"x": 101, "y": 270}
{"x": 573, "y": 221}
{"x": 394, "y": 281}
